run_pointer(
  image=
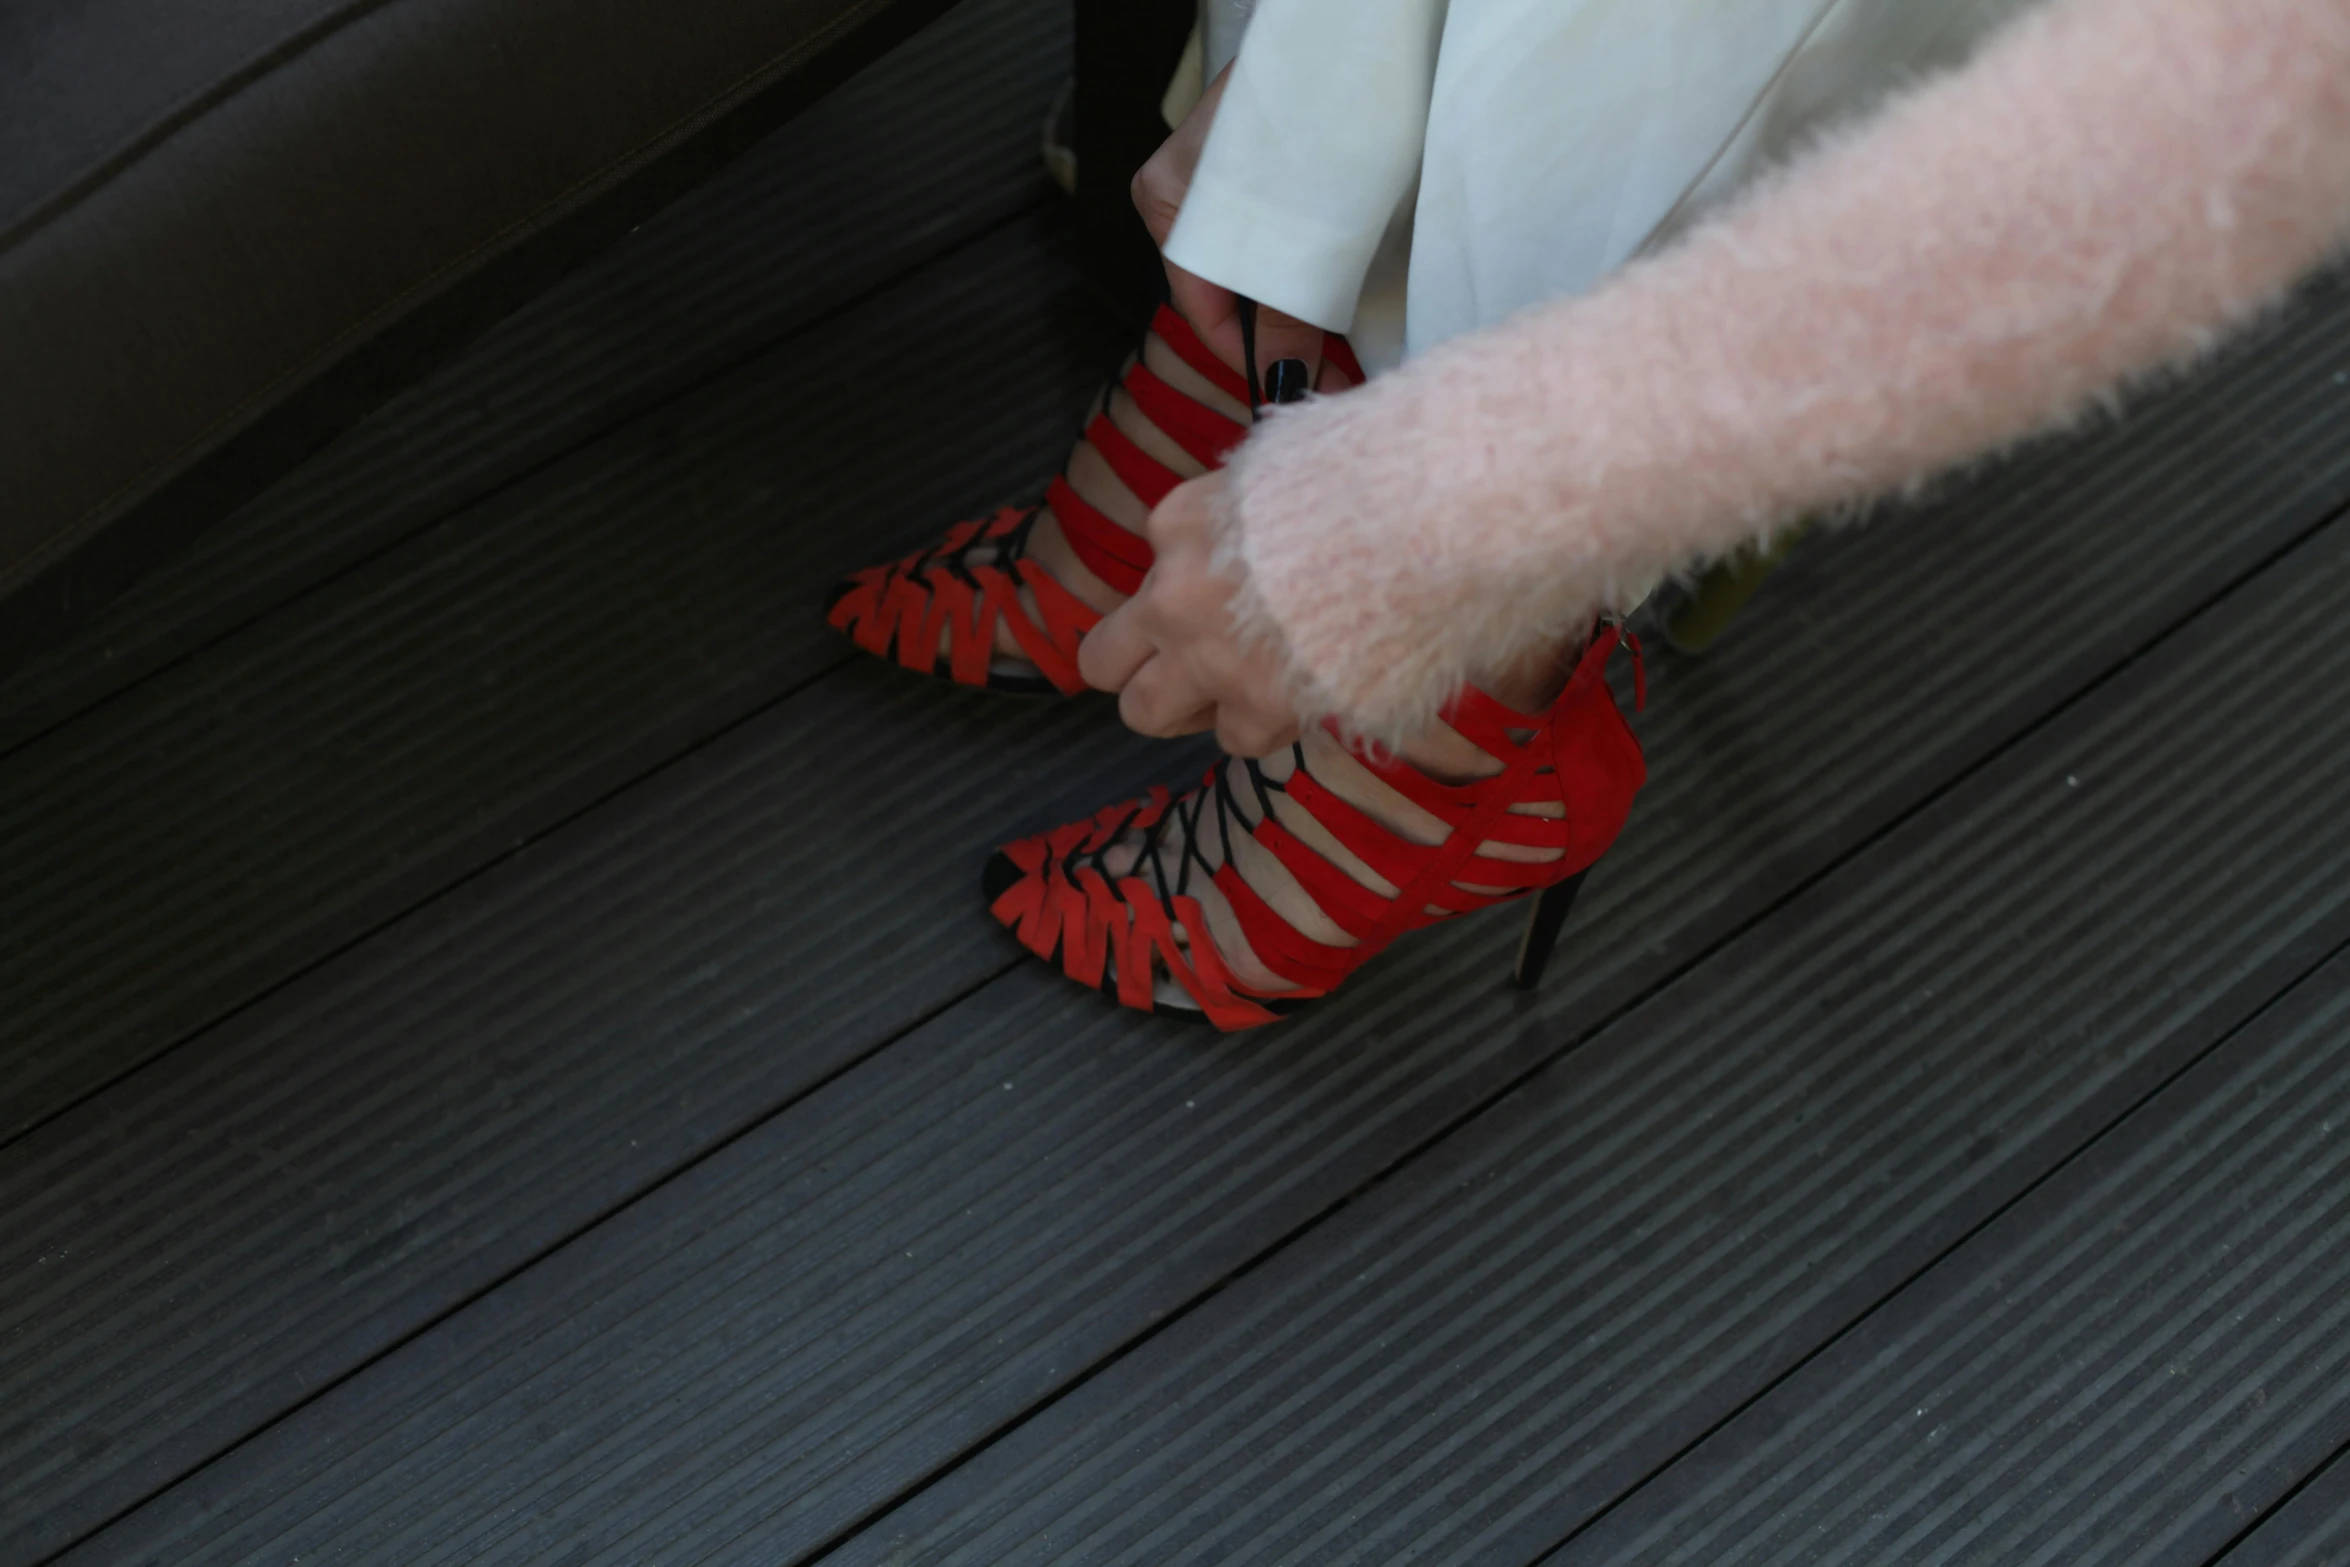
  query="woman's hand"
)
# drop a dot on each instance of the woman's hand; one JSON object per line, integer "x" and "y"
{"x": 1213, "y": 311}
{"x": 1171, "y": 652}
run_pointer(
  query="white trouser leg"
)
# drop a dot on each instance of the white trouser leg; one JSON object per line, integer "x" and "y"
{"x": 1551, "y": 140}
{"x": 1560, "y": 135}
{"x": 1315, "y": 146}
{"x": 1565, "y": 138}
{"x": 1377, "y": 328}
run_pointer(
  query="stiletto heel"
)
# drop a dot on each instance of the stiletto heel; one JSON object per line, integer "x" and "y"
{"x": 1544, "y": 922}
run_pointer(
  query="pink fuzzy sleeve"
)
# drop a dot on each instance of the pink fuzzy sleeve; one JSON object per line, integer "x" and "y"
{"x": 2105, "y": 190}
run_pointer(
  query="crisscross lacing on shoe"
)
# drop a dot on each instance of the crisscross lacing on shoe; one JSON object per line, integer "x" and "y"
{"x": 954, "y": 593}
{"x": 1566, "y": 786}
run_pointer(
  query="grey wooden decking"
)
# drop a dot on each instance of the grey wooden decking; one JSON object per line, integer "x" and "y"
{"x": 505, "y": 1061}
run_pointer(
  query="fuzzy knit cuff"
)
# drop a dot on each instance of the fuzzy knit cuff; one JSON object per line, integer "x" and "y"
{"x": 2109, "y": 187}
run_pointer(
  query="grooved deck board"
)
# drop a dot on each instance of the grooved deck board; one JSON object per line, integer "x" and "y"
{"x": 243, "y": 813}
{"x": 2146, "y": 1353}
{"x": 1481, "y": 1354}
{"x": 856, "y": 192}
{"x": 227, "y": 1231}
{"x": 740, "y": 1360}
{"x": 2311, "y": 1530}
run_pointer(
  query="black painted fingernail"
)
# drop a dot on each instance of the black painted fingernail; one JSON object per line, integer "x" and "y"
{"x": 1287, "y": 381}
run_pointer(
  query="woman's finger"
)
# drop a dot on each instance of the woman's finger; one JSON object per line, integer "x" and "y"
{"x": 1214, "y": 314}
{"x": 1160, "y": 700}
{"x": 1177, "y": 524}
{"x": 1112, "y": 651}
{"x": 1212, "y": 310}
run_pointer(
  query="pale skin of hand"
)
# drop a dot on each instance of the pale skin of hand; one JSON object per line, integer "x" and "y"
{"x": 1170, "y": 652}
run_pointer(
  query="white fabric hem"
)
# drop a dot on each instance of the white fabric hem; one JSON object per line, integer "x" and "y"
{"x": 1279, "y": 258}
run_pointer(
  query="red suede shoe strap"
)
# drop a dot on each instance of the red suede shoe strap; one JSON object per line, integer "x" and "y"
{"x": 1206, "y": 434}
{"x": 1149, "y": 478}
{"x": 1177, "y": 334}
{"x": 1117, "y": 555}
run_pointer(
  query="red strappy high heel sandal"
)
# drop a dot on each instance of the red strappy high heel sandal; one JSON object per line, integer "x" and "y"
{"x": 951, "y": 596}
{"x": 1117, "y": 900}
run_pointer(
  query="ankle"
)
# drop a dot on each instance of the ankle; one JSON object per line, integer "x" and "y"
{"x": 1532, "y": 683}
{"x": 1529, "y": 686}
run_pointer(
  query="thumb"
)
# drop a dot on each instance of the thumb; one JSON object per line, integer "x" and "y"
{"x": 1212, "y": 309}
